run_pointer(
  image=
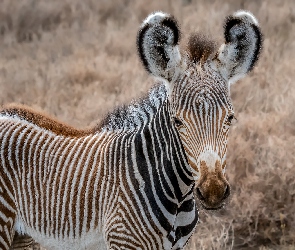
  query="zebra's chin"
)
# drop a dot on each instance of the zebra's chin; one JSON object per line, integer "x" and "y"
{"x": 212, "y": 208}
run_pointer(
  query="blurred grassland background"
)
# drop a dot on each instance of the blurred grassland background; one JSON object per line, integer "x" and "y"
{"x": 77, "y": 60}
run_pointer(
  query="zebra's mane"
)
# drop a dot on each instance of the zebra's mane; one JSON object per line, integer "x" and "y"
{"x": 126, "y": 117}
{"x": 200, "y": 47}
{"x": 42, "y": 120}
{"x": 139, "y": 112}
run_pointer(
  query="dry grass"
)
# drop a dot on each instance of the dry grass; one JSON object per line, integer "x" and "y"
{"x": 77, "y": 60}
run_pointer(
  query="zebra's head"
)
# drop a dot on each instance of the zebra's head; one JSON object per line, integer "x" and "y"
{"x": 198, "y": 84}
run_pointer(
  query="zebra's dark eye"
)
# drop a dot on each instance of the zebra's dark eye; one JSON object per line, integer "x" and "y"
{"x": 230, "y": 118}
{"x": 177, "y": 122}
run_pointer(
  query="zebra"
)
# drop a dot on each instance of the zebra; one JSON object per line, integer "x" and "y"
{"x": 133, "y": 180}
{"x": 23, "y": 242}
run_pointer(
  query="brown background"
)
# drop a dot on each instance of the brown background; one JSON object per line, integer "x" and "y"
{"x": 77, "y": 60}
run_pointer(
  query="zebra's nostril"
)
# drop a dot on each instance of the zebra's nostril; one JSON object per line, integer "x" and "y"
{"x": 200, "y": 195}
{"x": 226, "y": 192}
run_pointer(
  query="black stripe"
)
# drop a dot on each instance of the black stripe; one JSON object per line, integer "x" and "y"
{"x": 172, "y": 24}
{"x": 230, "y": 22}
{"x": 258, "y": 46}
{"x": 143, "y": 170}
{"x": 140, "y": 49}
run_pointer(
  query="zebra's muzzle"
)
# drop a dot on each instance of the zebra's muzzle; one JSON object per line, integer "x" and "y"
{"x": 212, "y": 190}
{"x": 204, "y": 203}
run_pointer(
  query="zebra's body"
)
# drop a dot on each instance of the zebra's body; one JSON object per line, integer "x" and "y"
{"x": 24, "y": 242}
{"x": 131, "y": 182}
{"x": 51, "y": 172}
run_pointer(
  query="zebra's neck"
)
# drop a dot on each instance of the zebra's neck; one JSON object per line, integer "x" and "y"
{"x": 163, "y": 139}
{"x": 148, "y": 122}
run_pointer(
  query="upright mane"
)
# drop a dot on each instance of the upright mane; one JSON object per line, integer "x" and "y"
{"x": 200, "y": 47}
{"x": 139, "y": 112}
{"x": 126, "y": 117}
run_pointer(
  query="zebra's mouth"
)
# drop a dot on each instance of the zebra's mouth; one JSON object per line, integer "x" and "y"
{"x": 211, "y": 208}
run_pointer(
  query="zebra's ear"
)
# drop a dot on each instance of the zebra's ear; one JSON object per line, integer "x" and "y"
{"x": 242, "y": 47}
{"x": 157, "y": 43}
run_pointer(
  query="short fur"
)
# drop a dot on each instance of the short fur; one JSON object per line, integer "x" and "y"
{"x": 130, "y": 182}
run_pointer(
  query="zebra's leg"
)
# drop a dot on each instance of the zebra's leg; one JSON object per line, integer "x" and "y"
{"x": 36, "y": 246}
{"x": 21, "y": 242}
{"x": 7, "y": 218}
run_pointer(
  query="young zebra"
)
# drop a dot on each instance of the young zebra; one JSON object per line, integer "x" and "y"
{"x": 131, "y": 182}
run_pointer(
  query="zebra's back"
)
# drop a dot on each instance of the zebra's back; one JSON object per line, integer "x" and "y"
{"x": 74, "y": 192}
{"x": 43, "y": 172}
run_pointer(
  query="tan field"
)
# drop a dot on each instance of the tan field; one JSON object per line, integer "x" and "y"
{"x": 77, "y": 60}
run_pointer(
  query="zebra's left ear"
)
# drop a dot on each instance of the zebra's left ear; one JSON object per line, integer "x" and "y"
{"x": 157, "y": 43}
{"x": 242, "y": 47}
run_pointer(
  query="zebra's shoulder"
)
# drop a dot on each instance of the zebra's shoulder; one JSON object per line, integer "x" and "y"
{"x": 42, "y": 120}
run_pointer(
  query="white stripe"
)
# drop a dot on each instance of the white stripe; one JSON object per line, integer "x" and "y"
{"x": 95, "y": 150}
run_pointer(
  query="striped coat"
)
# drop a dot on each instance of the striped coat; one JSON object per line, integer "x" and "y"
{"x": 113, "y": 181}
{"x": 131, "y": 182}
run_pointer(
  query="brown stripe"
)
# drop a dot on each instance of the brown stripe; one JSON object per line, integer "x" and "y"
{"x": 81, "y": 192}
{"x": 37, "y": 180}
{"x": 57, "y": 174}
{"x": 42, "y": 207}
{"x": 67, "y": 192}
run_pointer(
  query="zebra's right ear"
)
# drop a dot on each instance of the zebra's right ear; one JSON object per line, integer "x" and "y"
{"x": 157, "y": 43}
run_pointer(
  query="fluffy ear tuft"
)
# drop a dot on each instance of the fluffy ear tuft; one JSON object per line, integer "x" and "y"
{"x": 243, "y": 44}
{"x": 157, "y": 43}
{"x": 200, "y": 47}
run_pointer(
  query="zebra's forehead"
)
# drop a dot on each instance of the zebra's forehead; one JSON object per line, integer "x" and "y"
{"x": 201, "y": 85}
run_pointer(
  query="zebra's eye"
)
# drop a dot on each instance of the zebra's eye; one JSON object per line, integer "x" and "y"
{"x": 177, "y": 122}
{"x": 230, "y": 118}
